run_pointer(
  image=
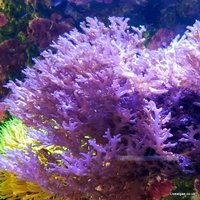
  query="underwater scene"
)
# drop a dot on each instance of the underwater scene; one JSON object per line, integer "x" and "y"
{"x": 99, "y": 100}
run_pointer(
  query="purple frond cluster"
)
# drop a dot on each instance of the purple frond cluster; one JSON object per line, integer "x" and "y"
{"x": 107, "y": 102}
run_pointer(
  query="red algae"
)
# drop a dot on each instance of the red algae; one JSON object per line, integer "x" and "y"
{"x": 161, "y": 39}
{"x": 3, "y": 19}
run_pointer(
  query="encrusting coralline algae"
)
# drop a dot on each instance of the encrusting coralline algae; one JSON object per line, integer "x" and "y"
{"x": 100, "y": 111}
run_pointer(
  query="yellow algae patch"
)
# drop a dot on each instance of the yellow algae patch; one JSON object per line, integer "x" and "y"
{"x": 11, "y": 188}
{"x": 13, "y": 135}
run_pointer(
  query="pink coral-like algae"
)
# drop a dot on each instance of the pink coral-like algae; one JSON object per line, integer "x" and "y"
{"x": 93, "y": 97}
